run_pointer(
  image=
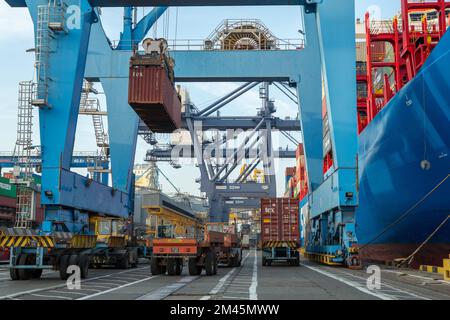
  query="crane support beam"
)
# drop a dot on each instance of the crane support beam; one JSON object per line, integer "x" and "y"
{"x": 179, "y": 3}
{"x": 205, "y": 66}
{"x": 87, "y": 194}
{"x": 242, "y": 203}
{"x": 336, "y": 37}
{"x": 220, "y": 66}
{"x": 187, "y": 151}
{"x": 245, "y": 190}
{"x": 78, "y": 161}
{"x": 244, "y": 123}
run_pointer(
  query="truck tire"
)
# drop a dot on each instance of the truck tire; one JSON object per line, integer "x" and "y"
{"x": 36, "y": 273}
{"x": 210, "y": 263}
{"x": 13, "y": 272}
{"x": 155, "y": 268}
{"x": 123, "y": 262}
{"x": 63, "y": 265}
{"x": 172, "y": 266}
{"x": 215, "y": 264}
{"x": 179, "y": 269}
{"x": 194, "y": 270}
{"x": 134, "y": 258}
{"x": 24, "y": 274}
{"x": 236, "y": 261}
{"x": 84, "y": 265}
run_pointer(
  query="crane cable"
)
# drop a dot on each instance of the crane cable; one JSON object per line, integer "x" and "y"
{"x": 410, "y": 258}
{"x": 404, "y": 215}
{"x": 168, "y": 180}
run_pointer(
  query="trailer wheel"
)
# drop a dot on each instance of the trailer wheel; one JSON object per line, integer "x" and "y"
{"x": 74, "y": 260}
{"x": 13, "y": 272}
{"x": 84, "y": 265}
{"x": 172, "y": 266}
{"x": 63, "y": 265}
{"x": 179, "y": 266}
{"x": 210, "y": 263}
{"x": 194, "y": 270}
{"x": 236, "y": 261}
{"x": 123, "y": 262}
{"x": 24, "y": 274}
{"x": 134, "y": 258}
{"x": 155, "y": 268}
{"x": 36, "y": 273}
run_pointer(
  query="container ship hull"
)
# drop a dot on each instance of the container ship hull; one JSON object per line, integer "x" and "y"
{"x": 404, "y": 169}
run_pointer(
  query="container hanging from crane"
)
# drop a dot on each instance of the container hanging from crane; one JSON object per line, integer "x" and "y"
{"x": 151, "y": 91}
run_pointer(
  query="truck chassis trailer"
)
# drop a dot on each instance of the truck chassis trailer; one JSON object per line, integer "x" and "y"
{"x": 30, "y": 254}
{"x": 280, "y": 252}
{"x": 169, "y": 254}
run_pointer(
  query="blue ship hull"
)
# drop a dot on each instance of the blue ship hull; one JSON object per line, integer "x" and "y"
{"x": 404, "y": 169}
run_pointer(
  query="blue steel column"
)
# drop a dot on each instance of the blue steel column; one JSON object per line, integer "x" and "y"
{"x": 65, "y": 70}
{"x": 310, "y": 99}
{"x": 123, "y": 125}
{"x": 336, "y": 21}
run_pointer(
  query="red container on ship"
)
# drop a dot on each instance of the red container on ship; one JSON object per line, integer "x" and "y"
{"x": 152, "y": 95}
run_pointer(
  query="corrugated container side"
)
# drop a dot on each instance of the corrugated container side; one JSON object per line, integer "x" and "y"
{"x": 300, "y": 151}
{"x": 7, "y": 189}
{"x": 279, "y": 220}
{"x": 154, "y": 98}
{"x": 361, "y": 51}
{"x": 290, "y": 171}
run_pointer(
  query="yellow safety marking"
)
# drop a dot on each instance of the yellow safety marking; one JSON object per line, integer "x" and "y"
{"x": 444, "y": 270}
{"x": 277, "y": 244}
{"x": 83, "y": 241}
{"x": 116, "y": 242}
{"x": 27, "y": 241}
{"x": 322, "y": 258}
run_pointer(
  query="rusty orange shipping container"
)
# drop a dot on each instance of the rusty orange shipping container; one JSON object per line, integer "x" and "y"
{"x": 153, "y": 96}
{"x": 280, "y": 220}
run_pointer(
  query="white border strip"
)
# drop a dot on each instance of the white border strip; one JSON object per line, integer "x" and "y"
{"x": 351, "y": 284}
{"x": 116, "y": 288}
{"x": 253, "y": 295}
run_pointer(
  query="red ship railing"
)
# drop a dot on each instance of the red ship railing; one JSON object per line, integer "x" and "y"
{"x": 409, "y": 40}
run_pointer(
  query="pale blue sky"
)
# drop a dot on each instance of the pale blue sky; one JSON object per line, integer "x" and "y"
{"x": 193, "y": 23}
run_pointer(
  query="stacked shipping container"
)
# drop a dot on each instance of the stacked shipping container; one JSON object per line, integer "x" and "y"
{"x": 301, "y": 189}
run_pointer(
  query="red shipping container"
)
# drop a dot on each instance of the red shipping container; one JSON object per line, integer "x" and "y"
{"x": 290, "y": 171}
{"x": 300, "y": 151}
{"x": 280, "y": 220}
{"x": 153, "y": 96}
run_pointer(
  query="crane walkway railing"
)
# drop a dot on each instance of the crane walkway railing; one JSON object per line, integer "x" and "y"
{"x": 202, "y": 45}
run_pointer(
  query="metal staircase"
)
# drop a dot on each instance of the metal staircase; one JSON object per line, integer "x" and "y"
{"x": 23, "y": 172}
{"x": 50, "y": 20}
{"x": 91, "y": 106}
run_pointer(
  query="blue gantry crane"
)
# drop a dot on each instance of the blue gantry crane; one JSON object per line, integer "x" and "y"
{"x": 70, "y": 46}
